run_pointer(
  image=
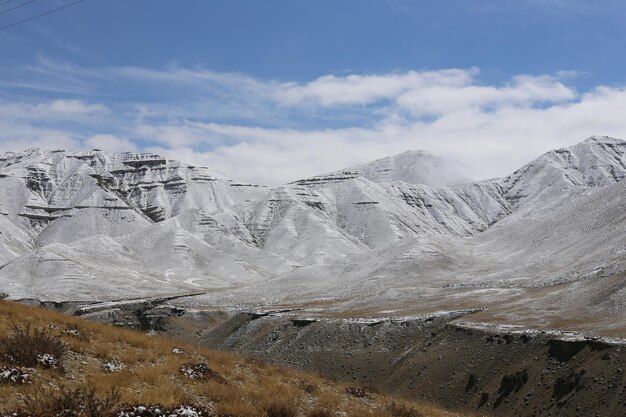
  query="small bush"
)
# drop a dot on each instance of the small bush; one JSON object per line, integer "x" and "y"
{"x": 66, "y": 402}
{"x": 400, "y": 410}
{"x": 322, "y": 412}
{"x": 361, "y": 391}
{"x": 72, "y": 329}
{"x": 113, "y": 366}
{"x": 281, "y": 410}
{"x": 201, "y": 371}
{"x": 31, "y": 347}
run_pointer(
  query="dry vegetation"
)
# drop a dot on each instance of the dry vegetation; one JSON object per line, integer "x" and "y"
{"x": 103, "y": 371}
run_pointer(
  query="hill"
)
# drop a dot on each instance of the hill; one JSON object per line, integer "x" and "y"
{"x": 63, "y": 363}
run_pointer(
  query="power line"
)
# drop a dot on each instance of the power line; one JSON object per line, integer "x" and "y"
{"x": 17, "y": 7}
{"x": 5, "y": 2}
{"x": 41, "y": 14}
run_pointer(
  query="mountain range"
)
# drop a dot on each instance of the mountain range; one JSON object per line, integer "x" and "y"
{"x": 410, "y": 232}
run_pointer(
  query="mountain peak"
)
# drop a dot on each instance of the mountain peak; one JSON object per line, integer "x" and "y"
{"x": 604, "y": 139}
{"x": 414, "y": 152}
{"x": 414, "y": 167}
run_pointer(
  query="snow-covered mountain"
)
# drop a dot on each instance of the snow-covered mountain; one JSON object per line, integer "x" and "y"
{"x": 93, "y": 226}
{"x": 414, "y": 167}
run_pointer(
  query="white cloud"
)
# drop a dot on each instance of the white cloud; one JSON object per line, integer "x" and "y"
{"x": 110, "y": 143}
{"x": 71, "y": 107}
{"x": 274, "y": 132}
{"x": 55, "y": 124}
{"x": 22, "y": 138}
{"x": 426, "y": 93}
{"x": 331, "y": 90}
{"x": 55, "y": 109}
{"x": 179, "y": 134}
{"x": 494, "y": 141}
{"x": 521, "y": 91}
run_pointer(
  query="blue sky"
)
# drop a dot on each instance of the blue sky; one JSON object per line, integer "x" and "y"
{"x": 270, "y": 91}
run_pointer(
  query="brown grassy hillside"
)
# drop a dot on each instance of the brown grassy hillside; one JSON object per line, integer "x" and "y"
{"x": 53, "y": 364}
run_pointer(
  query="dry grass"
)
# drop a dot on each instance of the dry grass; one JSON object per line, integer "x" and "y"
{"x": 57, "y": 402}
{"x": 147, "y": 372}
{"x": 30, "y": 347}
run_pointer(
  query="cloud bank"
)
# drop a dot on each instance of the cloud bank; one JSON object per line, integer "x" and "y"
{"x": 272, "y": 132}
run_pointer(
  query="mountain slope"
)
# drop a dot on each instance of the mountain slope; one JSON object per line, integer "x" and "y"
{"x": 413, "y": 167}
{"x": 150, "y": 373}
{"x": 104, "y": 225}
{"x": 599, "y": 161}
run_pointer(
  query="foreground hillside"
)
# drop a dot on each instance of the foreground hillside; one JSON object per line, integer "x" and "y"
{"x": 66, "y": 366}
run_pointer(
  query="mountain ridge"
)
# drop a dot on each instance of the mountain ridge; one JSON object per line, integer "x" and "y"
{"x": 413, "y": 167}
{"x": 96, "y": 226}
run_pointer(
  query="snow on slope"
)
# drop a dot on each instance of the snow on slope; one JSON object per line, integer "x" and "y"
{"x": 77, "y": 208}
{"x": 13, "y": 241}
{"x": 104, "y": 225}
{"x": 578, "y": 244}
{"x": 161, "y": 259}
{"x": 545, "y": 228}
{"x": 599, "y": 161}
{"x": 414, "y": 167}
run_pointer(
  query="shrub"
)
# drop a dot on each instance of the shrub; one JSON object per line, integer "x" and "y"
{"x": 280, "y": 409}
{"x": 66, "y": 402}
{"x": 322, "y": 412}
{"x": 361, "y": 391}
{"x": 113, "y": 366}
{"x": 72, "y": 329}
{"x": 400, "y": 410}
{"x": 29, "y": 348}
{"x": 201, "y": 371}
